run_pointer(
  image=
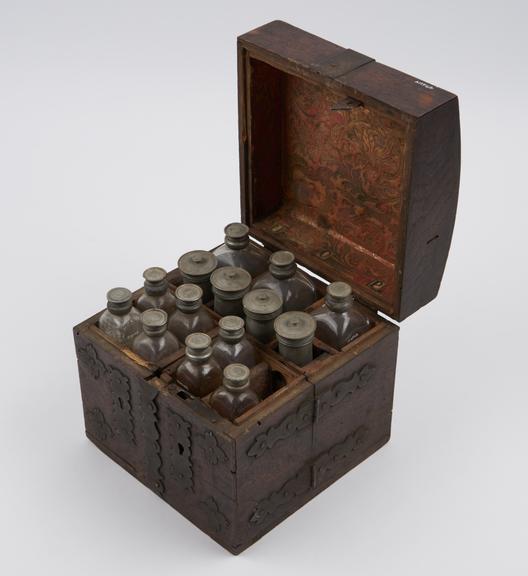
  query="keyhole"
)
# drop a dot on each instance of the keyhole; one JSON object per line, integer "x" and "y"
{"x": 181, "y": 449}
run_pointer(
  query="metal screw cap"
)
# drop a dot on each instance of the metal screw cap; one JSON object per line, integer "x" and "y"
{"x": 236, "y": 376}
{"x": 119, "y": 300}
{"x": 188, "y": 297}
{"x": 295, "y": 328}
{"x": 230, "y": 281}
{"x": 339, "y": 290}
{"x": 236, "y": 235}
{"x": 119, "y": 295}
{"x": 231, "y": 328}
{"x": 262, "y": 304}
{"x": 155, "y": 274}
{"x": 338, "y": 296}
{"x": 154, "y": 321}
{"x": 282, "y": 264}
{"x": 198, "y": 346}
{"x": 155, "y": 280}
{"x": 197, "y": 263}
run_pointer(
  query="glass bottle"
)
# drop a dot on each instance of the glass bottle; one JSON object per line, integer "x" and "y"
{"x": 155, "y": 342}
{"x": 120, "y": 320}
{"x": 234, "y": 397}
{"x": 190, "y": 316}
{"x": 261, "y": 307}
{"x": 338, "y": 319}
{"x": 196, "y": 268}
{"x": 157, "y": 293}
{"x": 230, "y": 285}
{"x": 231, "y": 344}
{"x": 295, "y": 333}
{"x": 239, "y": 252}
{"x": 199, "y": 372}
{"x": 296, "y": 289}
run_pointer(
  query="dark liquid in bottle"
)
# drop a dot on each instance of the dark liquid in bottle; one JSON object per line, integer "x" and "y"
{"x": 235, "y": 396}
{"x": 199, "y": 372}
{"x": 231, "y": 345}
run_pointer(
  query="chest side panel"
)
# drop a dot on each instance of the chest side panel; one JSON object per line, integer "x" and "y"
{"x": 353, "y": 408}
{"x": 111, "y": 387}
{"x": 269, "y": 453}
{"x": 197, "y": 464}
{"x": 434, "y": 184}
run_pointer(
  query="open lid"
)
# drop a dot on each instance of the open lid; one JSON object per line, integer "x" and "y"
{"x": 350, "y": 164}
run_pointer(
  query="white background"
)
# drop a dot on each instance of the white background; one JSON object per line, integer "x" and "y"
{"x": 118, "y": 150}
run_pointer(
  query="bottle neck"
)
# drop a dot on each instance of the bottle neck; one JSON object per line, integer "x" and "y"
{"x": 338, "y": 305}
{"x": 155, "y": 332}
{"x": 119, "y": 310}
{"x": 156, "y": 288}
{"x": 230, "y": 337}
{"x": 237, "y": 243}
{"x": 187, "y": 307}
{"x": 235, "y": 388}
{"x": 283, "y": 272}
{"x": 198, "y": 356}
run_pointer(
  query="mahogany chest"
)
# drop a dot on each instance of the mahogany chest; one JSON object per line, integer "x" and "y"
{"x": 354, "y": 167}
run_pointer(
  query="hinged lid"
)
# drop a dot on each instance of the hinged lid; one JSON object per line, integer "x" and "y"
{"x": 351, "y": 165}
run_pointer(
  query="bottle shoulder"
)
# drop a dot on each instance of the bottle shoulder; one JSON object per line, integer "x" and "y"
{"x": 248, "y": 258}
{"x": 227, "y": 352}
{"x": 144, "y": 346}
{"x": 297, "y": 291}
{"x": 122, "y": 328}
{"x": 201, "y": 368}
{"x": 155, "y": 349}
{"x": 170, "y": 342}
{"x": 199, "y": 378}
{"x": 231, "y": 405}
{"x": 107, "y": 318}
{"x": 166, "y": 301}
{"x": 181, "y": 324}
{"x": 339, "y": 328}
{"x": 248, "y": 398}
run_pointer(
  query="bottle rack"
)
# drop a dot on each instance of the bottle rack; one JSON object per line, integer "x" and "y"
{"x": 280, "y": 372}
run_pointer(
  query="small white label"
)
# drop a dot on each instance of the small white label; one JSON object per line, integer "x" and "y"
{"x": 424, "y": 84}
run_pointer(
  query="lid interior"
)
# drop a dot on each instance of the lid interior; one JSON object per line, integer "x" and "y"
{"x": 327, "y": 180}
